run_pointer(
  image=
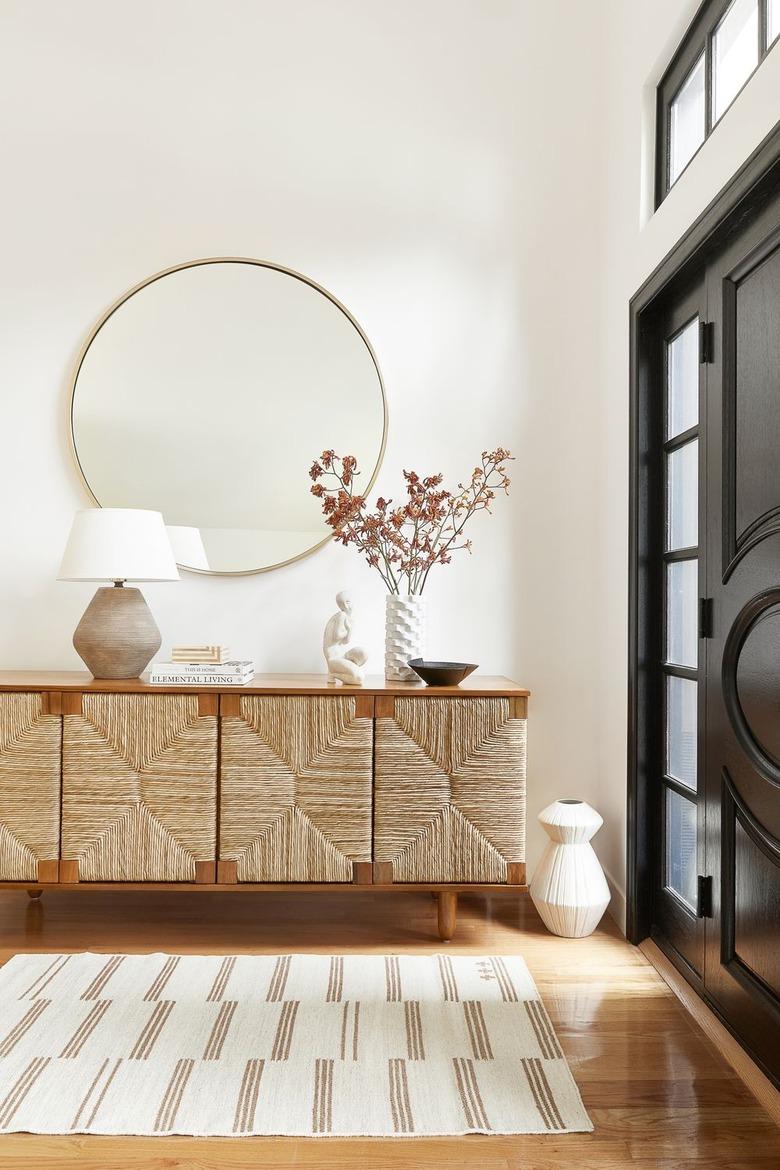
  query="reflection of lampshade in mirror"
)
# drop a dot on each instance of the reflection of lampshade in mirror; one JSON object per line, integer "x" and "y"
{"x": 188, "y": 547}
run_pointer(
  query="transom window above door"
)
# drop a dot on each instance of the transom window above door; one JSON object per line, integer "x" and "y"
{"x": 722, "y": 48}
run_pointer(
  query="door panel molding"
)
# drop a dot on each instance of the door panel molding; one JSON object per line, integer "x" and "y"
{"x": 748, "y": 542}
{"x": 738, "y": 541}
{"x": 735, "y": 812}
{"x": 747, "y": 619}
{"x": 760, "y": 836}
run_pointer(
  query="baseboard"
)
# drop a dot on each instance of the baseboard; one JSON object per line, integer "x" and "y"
{"x": 617, "y": 903}
{"x": 749, "y": 1073}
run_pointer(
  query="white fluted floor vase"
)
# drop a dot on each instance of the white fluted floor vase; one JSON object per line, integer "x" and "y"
{"x": 569, "y": 888}
{"x": 404, "y": 635}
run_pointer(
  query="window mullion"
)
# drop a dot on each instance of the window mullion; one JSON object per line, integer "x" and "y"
{"x": 709, "y": 96}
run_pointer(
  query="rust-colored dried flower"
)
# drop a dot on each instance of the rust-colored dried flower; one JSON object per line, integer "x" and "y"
{"x": 404, "y": 542}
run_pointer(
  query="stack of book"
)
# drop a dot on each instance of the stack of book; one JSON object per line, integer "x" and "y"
{"x": 200, "y": 666}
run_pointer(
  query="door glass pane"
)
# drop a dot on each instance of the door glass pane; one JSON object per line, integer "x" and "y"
{"x": 682, "y": 376}
{"x": 734, "y": 53}
{"x": 681, "y": 847}
{"x": 681, "y": 730}
{"x": 772, "y": 21}
{"x": 681, "y": 624}
{"x": 686, "y": 121}
{"x": 682, "y": 496}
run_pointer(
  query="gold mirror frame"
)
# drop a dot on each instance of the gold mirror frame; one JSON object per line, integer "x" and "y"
{"x": 196, "y": 264}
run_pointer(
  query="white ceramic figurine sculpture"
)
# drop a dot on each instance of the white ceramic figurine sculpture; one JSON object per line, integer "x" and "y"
{"x": 345, "y": 662}
{"x": 569, "y": 888}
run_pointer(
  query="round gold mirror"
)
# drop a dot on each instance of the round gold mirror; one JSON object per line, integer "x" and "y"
{"x": 207, "y": 391}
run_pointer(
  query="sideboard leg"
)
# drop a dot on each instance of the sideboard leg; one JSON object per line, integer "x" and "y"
{"x": 448, "y": 914}
{"x": 35, "y": 893}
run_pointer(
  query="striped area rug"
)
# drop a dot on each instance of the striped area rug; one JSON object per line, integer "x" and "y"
{"x": 360, "y": 1045}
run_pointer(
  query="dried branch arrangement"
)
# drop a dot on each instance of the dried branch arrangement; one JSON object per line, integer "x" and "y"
{"x": 404, "y": 541}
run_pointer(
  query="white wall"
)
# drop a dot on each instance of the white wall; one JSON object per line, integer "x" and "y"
{"x": 422, "y": 160}
{"x": 465, "y": 176}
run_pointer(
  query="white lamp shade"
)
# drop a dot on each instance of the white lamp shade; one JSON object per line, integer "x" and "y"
{"x": 118, "y": 544}
{"x": 188, "y": 547}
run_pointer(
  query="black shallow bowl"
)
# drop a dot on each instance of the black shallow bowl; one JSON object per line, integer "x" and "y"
{"x": 442, "y": 674}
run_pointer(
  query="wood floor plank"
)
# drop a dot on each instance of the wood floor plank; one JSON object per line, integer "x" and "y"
{"x": 659, "y": 1094}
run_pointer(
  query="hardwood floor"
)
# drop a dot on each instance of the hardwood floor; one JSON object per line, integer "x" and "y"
{"x": 659, "y": 1095}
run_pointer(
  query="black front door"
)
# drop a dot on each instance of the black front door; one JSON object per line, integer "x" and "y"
{"x": 705, "y": 681}
{"x": 742, "y": 781}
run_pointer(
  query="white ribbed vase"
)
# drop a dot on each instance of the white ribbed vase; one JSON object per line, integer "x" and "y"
{"x": 569, "y": 888}
{"x": 404, "y": 635}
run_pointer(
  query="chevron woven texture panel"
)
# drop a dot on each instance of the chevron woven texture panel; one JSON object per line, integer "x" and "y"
{"x": 296, "y": 788}
{"x": 450, "y": 790}
{"x": 29, "y": 786}
{"x": 139, "y": 787}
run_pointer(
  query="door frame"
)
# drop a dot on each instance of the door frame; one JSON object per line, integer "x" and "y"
{"x": 741, "y": 198}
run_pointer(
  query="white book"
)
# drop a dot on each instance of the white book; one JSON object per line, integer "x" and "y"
{"x": 199, "y": 680}
{"x": 233, "y": 668}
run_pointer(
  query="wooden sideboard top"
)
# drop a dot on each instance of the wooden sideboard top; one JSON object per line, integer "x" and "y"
{"x": 268, "y": 684}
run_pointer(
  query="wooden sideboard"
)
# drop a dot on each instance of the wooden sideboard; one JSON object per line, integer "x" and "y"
{"x": 283, "y": 783}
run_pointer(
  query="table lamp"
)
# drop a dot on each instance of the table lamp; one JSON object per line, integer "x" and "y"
{"x": 117, "y": 637}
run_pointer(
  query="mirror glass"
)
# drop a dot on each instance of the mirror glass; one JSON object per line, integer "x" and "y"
{"x": 207, "y": 392}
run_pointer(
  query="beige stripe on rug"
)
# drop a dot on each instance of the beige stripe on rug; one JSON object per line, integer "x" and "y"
{"x": 309, "y": 1045}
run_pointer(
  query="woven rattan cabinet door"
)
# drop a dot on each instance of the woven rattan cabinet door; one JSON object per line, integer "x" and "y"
{"x": 450, "y": 790}
{"x": 29, "y": 785}
{"x": 140, "y": 786}
{"x": 295, "y": 787}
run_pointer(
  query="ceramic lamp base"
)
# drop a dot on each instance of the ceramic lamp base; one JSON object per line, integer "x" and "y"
{"x": 117, "y": 637}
